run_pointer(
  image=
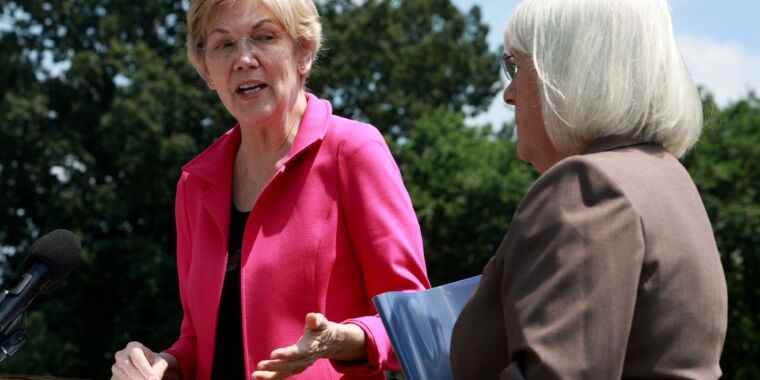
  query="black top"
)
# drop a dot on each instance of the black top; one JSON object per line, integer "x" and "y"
{"x": 228, "y": 357}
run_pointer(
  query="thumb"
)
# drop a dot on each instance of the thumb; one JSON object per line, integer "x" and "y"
{"x": 316, "y": 322}
{"x": 149, "y": 354}
{"x": 160, "y": 366}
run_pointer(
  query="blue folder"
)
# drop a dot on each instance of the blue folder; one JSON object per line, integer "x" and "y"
{"x": 420, "y": 324}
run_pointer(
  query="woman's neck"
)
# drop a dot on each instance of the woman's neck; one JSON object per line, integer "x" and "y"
{"x": 275, "y": 136}
{"x": 262, "y": 148}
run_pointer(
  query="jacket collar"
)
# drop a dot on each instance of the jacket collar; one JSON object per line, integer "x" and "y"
{"x": 606, "y": 143}
{"x": 214, "y": 165}
{"x": 313, "y": 128}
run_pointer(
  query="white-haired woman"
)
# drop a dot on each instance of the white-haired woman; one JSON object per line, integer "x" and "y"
{"x": 610, "y": 269}
{"x": 293, "y": 214}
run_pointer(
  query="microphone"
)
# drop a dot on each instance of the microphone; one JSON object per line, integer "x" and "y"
{"x": 51, "y": 258}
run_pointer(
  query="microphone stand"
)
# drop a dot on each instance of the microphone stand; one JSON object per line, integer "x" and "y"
{"x": 13, "y": 336}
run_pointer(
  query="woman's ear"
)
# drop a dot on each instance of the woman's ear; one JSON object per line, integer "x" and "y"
{"x": 206, "y": 77}
{"x": 202, "y": 69}
{"x": 305, "y": 59}
{"x": 304, "y": 67}
{"x": 210, "y": 84}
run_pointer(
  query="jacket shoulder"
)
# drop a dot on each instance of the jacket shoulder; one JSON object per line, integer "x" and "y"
{"x": 581, "y": 174}
{"x": 618, "y": 170}
{"x": 347, "y": 135}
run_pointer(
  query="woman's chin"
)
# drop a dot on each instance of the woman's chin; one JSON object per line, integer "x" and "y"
{"x": 254, "y": 112}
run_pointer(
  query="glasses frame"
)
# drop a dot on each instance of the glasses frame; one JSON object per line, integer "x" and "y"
{"x": 508, "y": 66}
{"x": 250, "y": 43}
{"x": 224, "y": 53}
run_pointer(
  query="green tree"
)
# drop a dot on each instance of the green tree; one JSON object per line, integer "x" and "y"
{"x": 390, "y": 62}
{"x": 97, "y": 148}
{"x": 726, "y": 167}
{"x": 466, "y": 183}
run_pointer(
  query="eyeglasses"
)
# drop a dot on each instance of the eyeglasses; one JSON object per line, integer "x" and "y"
{"x": 509, "y": 66}
{"x": 224, "y": 48}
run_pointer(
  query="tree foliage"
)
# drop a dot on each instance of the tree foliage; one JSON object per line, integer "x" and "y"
{"x": 726, "y": 167}
{"x": 390, "y": 62}
{"x": 466, "y": 184}
{"x": 97, "y": 149}
{"x": 100, "y": 109}
{"x": 93, "y": 140}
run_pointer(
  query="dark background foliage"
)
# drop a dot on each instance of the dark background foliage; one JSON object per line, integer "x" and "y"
{"x": 99, "y": 110}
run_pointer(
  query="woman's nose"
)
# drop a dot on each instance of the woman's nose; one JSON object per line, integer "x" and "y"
{"x": 245, "y": 56}
{"x": 509, "y": 94}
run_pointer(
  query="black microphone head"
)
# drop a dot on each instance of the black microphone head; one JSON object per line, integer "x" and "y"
{"x": 60, "y": 251}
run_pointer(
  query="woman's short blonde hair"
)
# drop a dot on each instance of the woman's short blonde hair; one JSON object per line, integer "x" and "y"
{"x": 608, "y": 67}
{"x": 299, "y": 18}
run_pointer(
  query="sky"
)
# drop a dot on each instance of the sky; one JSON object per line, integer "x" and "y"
{"x": 720, "y": 42}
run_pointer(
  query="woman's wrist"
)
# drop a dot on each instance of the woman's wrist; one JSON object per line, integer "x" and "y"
{"x": 350, "y": 344}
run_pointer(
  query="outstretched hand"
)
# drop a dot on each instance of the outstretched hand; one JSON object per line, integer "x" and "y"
{"x": 321, "y": 339}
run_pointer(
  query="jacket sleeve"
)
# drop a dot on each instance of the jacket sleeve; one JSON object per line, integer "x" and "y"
{"x": 385, "y": 236}
{"x": 184, "y": 348}
{"x": 571, "y": 269}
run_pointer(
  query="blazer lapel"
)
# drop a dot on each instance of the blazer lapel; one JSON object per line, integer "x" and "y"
{"x": 213, "y": 168}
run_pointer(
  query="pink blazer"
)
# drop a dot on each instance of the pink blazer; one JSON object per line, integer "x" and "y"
{"x": 333, "y": 228}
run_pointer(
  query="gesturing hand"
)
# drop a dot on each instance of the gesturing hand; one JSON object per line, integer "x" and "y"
{"x": 137, "y": 362}
{"x": 321, "y": 339}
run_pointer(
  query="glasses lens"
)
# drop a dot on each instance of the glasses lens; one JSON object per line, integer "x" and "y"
{"x": 509, "y": 67}
{"x": 226, "y": 48}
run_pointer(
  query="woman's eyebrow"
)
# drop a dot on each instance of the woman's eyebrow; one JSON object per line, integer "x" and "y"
{"x": 255, "y": 26}
{"x": 218, "y": 30}
{"x": 260, "y": 23}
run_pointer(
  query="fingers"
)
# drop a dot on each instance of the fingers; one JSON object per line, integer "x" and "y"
{"x": 133, "y": 362}
{"x": 280, "y": 369}
{"x": 160, "y": 366}
{"x": 285, "y": 366}
{"x": 293, "y": 359}
{"x": 140, "y": 362}
{"x": 122, "y": 367}
{"x": 267, "y": 375}
{"x": 293, "y": 352}
{"x": 124, "y": 370}
{"x": 284, "y": 362}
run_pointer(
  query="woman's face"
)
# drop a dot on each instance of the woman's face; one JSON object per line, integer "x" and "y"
{"x": 533, "y": 143}
{"x": 253, "y": 64}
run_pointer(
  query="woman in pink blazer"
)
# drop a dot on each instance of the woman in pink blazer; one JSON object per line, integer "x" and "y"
{"x": 288, "y": 224}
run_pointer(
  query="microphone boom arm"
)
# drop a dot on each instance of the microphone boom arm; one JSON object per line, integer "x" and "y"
{"x": 13, "y": 336}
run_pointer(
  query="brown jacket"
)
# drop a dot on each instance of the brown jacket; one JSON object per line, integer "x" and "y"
{"x": 609, "y": 271}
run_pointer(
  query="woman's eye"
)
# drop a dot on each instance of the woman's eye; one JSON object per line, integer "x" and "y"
{"x": 221, "y": 45}
{"x": 263, "y": 37}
